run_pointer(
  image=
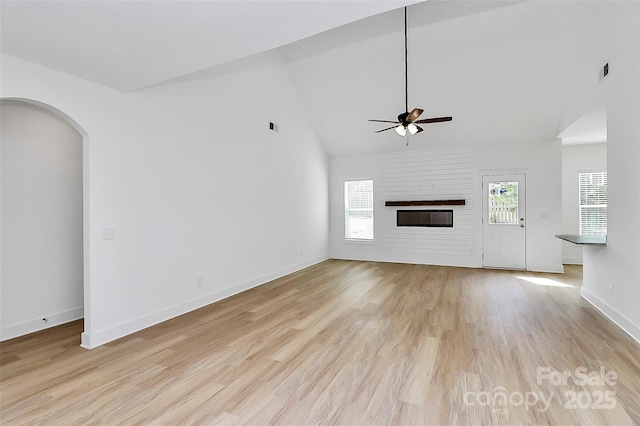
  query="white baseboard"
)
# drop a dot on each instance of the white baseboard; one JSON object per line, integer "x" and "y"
{"x": 550, "y": 270}
{"x": 95, "y": 339}
{"x": 627, "y": 326}
{"x": 38, "y": 324}
{"x": 555, "y": 269}
{"x": 386, "y": 259}
{"x": 572, "y": 260}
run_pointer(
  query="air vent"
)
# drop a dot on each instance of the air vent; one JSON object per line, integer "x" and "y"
{"x": 604, "y": 71}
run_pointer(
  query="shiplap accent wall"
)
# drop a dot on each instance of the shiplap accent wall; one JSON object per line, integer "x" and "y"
{"x": 435, "y": 174}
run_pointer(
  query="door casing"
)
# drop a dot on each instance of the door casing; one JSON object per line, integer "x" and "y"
{"x": 504, "y": 245}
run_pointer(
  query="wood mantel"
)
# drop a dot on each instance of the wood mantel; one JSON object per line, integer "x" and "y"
{"x": 425, "y": 203}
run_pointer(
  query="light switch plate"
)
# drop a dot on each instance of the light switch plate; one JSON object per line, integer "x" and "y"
{"x": 109, "y": 234}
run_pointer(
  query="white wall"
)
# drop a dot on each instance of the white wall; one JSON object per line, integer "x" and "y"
{"x": 427, "y": 175}
{"x": 419, "y": 175}
{"x": 575, "y": 160}
{"x": 539, "y": 160}
{"x": 195, "y": 186}
{"x": 42, "y": 275}
{"x": 617, "y": 262}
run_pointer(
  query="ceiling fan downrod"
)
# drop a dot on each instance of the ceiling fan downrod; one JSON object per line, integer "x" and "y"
{"x": 408, "y": 121}
{"x": 406, "y": 66}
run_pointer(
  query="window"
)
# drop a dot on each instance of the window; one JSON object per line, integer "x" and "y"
{"x": 358, "y": 210}
{"x": 593, "y": 203}
{"x": 503, "y": 203}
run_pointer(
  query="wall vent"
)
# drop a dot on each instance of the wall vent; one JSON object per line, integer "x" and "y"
{"x": 604, "y": 71}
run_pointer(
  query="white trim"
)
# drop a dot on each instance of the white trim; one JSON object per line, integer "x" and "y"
{"x": 86, "y": 214}
{"x": 546, "y": 268}
{"x": 95, "y": 339}
{"x": 402, "y": 261}
{"x": 38, "y": 324}
{"x": 625, "y": 324}
{"x": 485, "y": 225}
{"x": 359, "y": 241}
{"x": 373, "y": 211}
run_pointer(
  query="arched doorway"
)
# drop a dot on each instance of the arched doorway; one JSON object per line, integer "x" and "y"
{"x": 43, "y": 209}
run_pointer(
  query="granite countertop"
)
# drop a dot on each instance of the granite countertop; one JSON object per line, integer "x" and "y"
{"x": 600, "y": 240}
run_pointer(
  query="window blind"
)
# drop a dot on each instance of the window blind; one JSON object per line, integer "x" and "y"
{"x": 593, "y": 203}
{"x": 358, "y": 209}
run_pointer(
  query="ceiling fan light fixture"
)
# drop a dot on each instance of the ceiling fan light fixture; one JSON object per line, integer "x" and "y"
{"x": 412, "y": 128}
{"x": 401, "y": 130}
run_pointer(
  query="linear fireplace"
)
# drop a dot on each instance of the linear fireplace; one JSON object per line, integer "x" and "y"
{"x": 425, "y": 218}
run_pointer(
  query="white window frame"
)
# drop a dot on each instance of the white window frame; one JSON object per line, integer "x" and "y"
{"x": 583, "y": 229}
{"x": 347, "y": 210}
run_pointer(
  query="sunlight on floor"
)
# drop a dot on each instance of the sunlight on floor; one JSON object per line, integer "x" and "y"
{"x": 543, "y": 281}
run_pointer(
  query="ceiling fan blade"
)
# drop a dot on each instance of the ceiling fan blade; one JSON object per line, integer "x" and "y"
{"x": 388, "y": 128}
{"x": 385, "y": 121}
{"x": 434, "y": 120}
{"x": 414, "y": 114}
{"x": 419, "y": 129}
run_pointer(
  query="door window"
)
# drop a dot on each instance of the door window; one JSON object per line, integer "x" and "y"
{"x": 503, "y": 203}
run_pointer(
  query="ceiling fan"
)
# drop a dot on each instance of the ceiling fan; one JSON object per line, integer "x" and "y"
{"x": 407, "y": 121}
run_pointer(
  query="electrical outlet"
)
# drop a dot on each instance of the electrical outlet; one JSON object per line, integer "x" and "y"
{"x": 610, "y": 287}
{"x": 200, "y": 281}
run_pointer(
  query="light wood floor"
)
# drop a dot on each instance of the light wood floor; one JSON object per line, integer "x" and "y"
{"x": 345, "y": 343}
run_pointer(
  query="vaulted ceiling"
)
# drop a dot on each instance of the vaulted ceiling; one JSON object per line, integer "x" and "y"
{"x": 501, "y": 69}
{"x": 128, "y": 45}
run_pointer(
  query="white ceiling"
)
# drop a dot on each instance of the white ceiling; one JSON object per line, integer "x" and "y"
{"x": 589, "y": 128}
{"x": 128, "y": 45}
{"x": 502, "y": 69}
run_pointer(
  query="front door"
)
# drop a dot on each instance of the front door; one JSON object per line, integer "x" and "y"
{"x": 503, "y": 221}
